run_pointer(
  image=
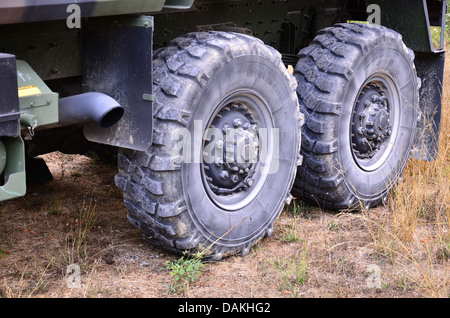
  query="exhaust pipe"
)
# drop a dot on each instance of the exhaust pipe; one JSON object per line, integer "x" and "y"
{"x": 97, "y": 107}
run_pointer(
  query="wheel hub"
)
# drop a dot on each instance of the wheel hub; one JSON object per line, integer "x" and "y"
{"x": 235, "y": 154}
{"x": 371, "y": 125}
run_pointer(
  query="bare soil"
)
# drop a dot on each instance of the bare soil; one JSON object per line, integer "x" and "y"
{"x": 38, "y": 235}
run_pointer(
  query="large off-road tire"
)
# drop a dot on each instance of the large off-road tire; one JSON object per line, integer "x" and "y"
{"x": 358, "y": 90}
{"x": 181, "y": 194}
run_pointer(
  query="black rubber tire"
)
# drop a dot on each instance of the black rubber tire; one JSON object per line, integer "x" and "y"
{"x": 165, "y": 196}
{"x": 332, "y": 73}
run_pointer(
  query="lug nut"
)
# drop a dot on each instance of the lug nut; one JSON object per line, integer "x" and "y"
{"x": 237, "y": 122}
{"x": 224, "y": 175}
{"x": 218, "y": 162}
{"x": 225, "y": 128}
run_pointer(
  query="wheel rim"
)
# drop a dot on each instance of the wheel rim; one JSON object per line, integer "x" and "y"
{"x": 374, "y": 123}
{"x": 237, "y": 150}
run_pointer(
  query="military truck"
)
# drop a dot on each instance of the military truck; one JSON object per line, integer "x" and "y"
{"x": 219, "y": 112}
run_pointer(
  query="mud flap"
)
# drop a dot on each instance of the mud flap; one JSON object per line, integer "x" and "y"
{"x": 9, "y": 102}
{"x": 117, "y": 61}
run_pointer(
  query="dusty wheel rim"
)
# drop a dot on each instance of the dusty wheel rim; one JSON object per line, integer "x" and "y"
{"x": 237, "y": 150}
{"x": 374, "y": 122}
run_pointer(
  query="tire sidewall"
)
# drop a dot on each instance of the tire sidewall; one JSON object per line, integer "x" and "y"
{"x": 394, "y": 62}
{"x": 252, "y": 221}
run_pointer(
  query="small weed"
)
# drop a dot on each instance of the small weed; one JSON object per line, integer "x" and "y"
{"x": 341, "y": 262}
{"x": 76, "y": 244}
{"x": 290, "y": 237}
{"x": 55, "y": 208}
{"x": 443, "y": 252}
{"x": 95, "y": 158}
{"x": 291, "y": 232}
{"x": 333, "y": 226}
{"x": 3, "y": 253}
{"x": 302, "y": 209}
{"x": 295, "y": 211}
{"x": 184, "y": 271}
{"x": 402, "y": 281}
{"x": 293, "y": 272}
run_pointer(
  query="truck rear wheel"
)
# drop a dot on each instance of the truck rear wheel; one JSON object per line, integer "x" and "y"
{"x": 225, "y": 147}
{"x": 358, "y": 89}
